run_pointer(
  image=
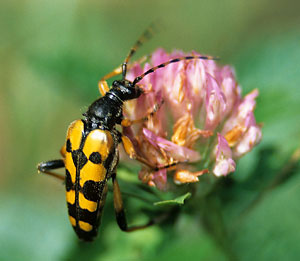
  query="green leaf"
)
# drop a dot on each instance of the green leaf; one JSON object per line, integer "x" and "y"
{"x": 177, "y": 201}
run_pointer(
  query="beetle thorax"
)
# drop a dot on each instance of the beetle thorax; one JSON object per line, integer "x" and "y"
{"x": 105, "y": 112}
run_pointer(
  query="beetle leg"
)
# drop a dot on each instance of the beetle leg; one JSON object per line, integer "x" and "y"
{"x": 47, "y": 166}
{"x": 119, "y": 209}
{"x": 102, "y": 84}
{"x": 63, "y": 150}
{"x": 129, "y": 149}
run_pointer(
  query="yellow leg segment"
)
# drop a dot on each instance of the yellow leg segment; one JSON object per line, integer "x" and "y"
{"x": 129, "y": 149}
{"x": 102, "y": 84}
{"x": 119, "y": 210}
{"x": 103, "y": 87}
{"x": 63, "y": 150}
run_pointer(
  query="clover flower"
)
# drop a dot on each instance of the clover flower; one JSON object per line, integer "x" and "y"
{"x": 213, "y": 125}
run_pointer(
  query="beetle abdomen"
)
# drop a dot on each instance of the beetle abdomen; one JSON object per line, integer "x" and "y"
{"x": 85, "y": 222}
{"x": 89, "y": 157}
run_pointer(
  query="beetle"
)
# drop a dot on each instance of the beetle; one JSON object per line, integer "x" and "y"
{"x": 90, "y": 154}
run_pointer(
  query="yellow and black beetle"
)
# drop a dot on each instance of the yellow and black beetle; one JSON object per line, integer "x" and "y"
{"x": 90, "y": 155}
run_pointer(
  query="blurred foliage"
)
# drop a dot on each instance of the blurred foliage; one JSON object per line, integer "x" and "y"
{"x": 53, "y": 53}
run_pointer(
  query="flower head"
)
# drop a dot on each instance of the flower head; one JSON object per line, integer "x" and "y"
{"x": 212, "y": 124}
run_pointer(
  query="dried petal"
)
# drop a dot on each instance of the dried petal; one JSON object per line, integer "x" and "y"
{"x": 184, "y": 176}
{"x": 185, "y": 133}
{"x": 154, "y": 179}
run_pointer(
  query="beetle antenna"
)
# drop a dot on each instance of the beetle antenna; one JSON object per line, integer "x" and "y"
{"x": 153, "y": 69}
{"x": 147, "y": 34}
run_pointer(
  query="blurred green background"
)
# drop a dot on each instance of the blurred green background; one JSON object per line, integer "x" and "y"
{"x": 52, "y": 55}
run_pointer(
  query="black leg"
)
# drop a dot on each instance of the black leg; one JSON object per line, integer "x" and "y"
{"x": 47, "y": 166}
{"x": 119, "y": 210}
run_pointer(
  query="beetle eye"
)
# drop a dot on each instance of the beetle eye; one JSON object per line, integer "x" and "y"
{"x": 115, "y": 83}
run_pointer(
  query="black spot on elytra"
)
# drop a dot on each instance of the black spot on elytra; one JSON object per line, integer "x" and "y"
{"x": 69, "y": 184}
{"x": 83, "y": 214}
{"x": 79, "y": 158}
{"x": 109, "y": 160}
{"x": 95, "y": 158}
{"x": 72, "y": 210}
{"x": 93, "y": 190}
{"x": 68, "y": 146}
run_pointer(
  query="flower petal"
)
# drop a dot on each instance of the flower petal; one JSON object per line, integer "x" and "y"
{"x": 215, "y": 103}
{"x": 200, "y": 98}
{"x": 224, "y": 162}
{"x": 230, "y": 89}
{"x": 251, "y": 138}
{"x": 179, "y": 153}
{"x": 241, "y": 130}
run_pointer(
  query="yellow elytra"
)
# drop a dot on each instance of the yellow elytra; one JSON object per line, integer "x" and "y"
{"x": 90, "y": 159}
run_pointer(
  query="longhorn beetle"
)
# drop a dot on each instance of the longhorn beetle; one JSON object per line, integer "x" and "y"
{"x": 90, "y": 154}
